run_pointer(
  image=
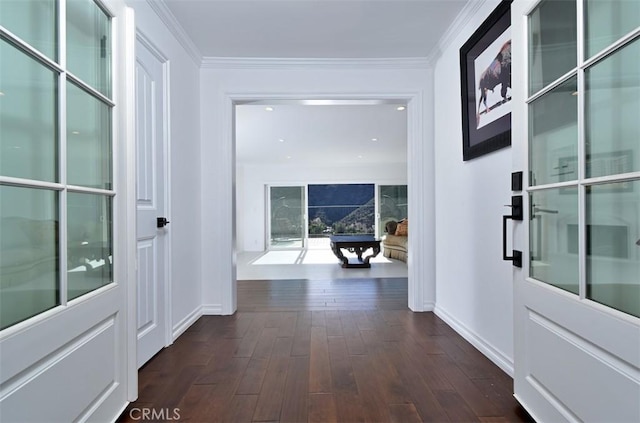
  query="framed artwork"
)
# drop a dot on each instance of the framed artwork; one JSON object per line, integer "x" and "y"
{"x": 485, "y": 78}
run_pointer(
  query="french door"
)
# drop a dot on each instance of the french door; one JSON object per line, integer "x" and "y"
{"x": 286, "y": 223}
{"x": 577, "y": 297}
{"x": 63, "y": 258}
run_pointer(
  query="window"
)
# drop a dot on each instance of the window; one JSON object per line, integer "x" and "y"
{"x": 584, "y": 155}
{"x": 341, "y": 209}
{"x": 56, "y": 176}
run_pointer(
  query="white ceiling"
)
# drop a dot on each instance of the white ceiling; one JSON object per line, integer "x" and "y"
{"x": 321, "y": 134}
{"x": 317, "y": 29}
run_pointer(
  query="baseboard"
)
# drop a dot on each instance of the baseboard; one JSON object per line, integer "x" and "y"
{"x": 485, "y": 347}
{"x": 212, "y": 309}
{"x": 185, "y": 323}
{"x": 429, "y": 306}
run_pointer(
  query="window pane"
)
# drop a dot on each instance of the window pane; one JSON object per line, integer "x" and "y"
{"x": 88, "y": 140}
{"x": 553, "y": 237}
{"x": 393, "y": 204}
{"x": 612, "y": 113}
{"x": 28, "y": 253}
{"x": 34, "y": 21}
{"x": 613, "y": 245}
{"x": 90, "y": 243}
{"x": 342, "y": 209}
{"x": 287, "y": 217}
{"x": 552, "y": 42}
{"x": 89, "y": 44}
{"x": 607, "y": 21}
{"x": 553, "y": 127}
{"x": 28, "y": 117}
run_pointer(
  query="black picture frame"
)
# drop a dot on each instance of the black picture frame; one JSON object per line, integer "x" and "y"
{"x": 488, "y": 87}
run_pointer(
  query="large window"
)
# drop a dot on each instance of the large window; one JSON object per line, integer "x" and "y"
{"x": 56, "y": 183}
{"x": 341, "y": 209}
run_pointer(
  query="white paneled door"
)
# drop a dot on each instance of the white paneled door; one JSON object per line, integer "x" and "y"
{"x": 152, "y": 230}
{"x": 577, "y": 296}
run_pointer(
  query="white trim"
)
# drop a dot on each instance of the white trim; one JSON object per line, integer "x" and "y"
{"x": 169, "y": 20}
{"x": 211, "y": 310}
{"x": 429, "y": 306}
{"x": 461, "y": 21}
{"x": 185, "y": 323}
{"x": 311, "y": 63}
{"x": 129, "y": 223}
{"x": 482, "y": 344}
{"x": 421, "y": 278}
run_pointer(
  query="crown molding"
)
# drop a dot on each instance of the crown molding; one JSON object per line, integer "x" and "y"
{"x": 467, "y": 13}
{"x": 308, "y": 64}
{"x": 167, "y": 17}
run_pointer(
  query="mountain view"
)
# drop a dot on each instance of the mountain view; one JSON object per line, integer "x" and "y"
{"x": 341, "y": 209}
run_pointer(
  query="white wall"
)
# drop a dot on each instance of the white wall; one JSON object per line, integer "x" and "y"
{"x": 252, "y": 179}
{"x": 184, "y": 115}
{"x": 232, "y": 81}
{"x": 474, "y": 285}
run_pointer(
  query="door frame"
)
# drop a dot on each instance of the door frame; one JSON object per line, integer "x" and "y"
{"x": 421, "y": 190}
{"x": 169, "y": 335}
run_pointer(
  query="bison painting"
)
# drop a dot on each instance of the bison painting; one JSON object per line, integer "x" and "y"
{"x": 498, "y": 72}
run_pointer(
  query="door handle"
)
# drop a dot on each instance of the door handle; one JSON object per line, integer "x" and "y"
{"x": 162, "y": 222}
{"x": 516, "y": 214}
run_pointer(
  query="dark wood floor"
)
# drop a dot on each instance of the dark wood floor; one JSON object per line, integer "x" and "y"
{"x": 324, "y": 351}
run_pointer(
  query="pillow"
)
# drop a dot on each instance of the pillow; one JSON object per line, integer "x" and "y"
{"x": 403, "y": 228}
{"x": 390, "y": 227}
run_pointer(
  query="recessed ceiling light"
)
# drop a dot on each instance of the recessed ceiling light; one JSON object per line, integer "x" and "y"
{"x": 400, "y": 108}
{"x": 75, "y": 132}
{"x": 280, "y": 140}
{"x": 374, "y": 139}
{"x": 288, "y": 157}
{"x": 269, "y": 109}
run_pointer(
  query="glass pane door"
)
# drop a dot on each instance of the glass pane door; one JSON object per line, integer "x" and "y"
{"x": 392, "y": 200}
{"x": 584, "y": 154}
{"x": 287, "y": 228}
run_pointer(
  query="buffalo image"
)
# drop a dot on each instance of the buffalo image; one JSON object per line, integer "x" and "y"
{"x": 498, "y": 72}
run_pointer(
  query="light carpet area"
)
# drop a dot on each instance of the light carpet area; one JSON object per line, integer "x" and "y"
{"x": 312, "y": 264}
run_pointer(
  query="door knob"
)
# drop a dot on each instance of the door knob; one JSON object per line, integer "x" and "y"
{"x": 162, "y": 222}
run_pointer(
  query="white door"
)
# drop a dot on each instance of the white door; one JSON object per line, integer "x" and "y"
{"x": 576, "y": 80}
{"x": 64, "y": 255}
{"x": 151, "y": 201}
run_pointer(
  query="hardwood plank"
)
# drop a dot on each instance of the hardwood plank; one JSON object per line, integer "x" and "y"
{"x": 252, "y": 379}
{"x": 322, "y": 409}
{"x": 474, "y": 397}
{"x": 353, "y": 342}
{"x": 372, "y": 392}
{"x": 333, "y": 323}
{"x": 194, "y": 405}
{"x": 455, "y": 407}
{"x": 251, "y": 337}
{"x": 240, "y": 409}
{"x": 271, "y": 395}
{"x": 296, "y": 398}
{"x": 319, "y": 365}
{"x": 404, "y": 413}
{"x": 350, "y": 408}
{"x": 342, "y": 379}
{"x": 302, "y": 337}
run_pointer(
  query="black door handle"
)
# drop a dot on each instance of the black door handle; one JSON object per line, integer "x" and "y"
{"x": 162, "y": 222}
{"x": 516, "y": 214}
